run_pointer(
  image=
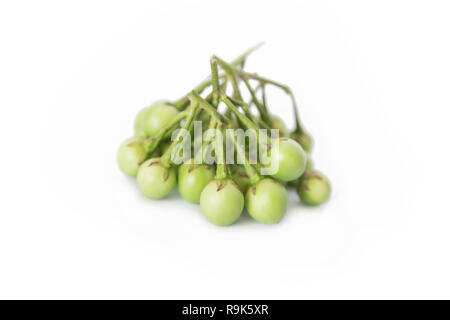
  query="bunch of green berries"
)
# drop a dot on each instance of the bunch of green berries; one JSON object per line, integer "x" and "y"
{"x": 163, "y": 153}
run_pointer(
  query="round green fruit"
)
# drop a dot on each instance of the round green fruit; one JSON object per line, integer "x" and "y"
{"x": 288, "y": 160}
{"x": 267, "y": 201}
{"x": 130, "y": 156}
{"x": 222, "y": 202}
{"x": 314, "y": 188}
{"x": 154, "y": 180}
{"x": 192, "y": 179}
{"x": 304, "y": 139}
{"x": 154, "y": 118}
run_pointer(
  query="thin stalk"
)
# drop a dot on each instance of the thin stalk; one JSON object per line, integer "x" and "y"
{"x": 255, "y": 76}
{"x": 230, "y": 71}
{"x": 221, "y": 171}
{"x": 241, "y": 59}
{"x": 248, "y": 124}
{"x": 245, "y": 121}
{"x": 195, "y": 97}
{"x": 249, "y": 170}
{"x": 255, "y": 90}
{"x": 184, "y": 101}
{"x": 264, "y": 100}
{"x": 285, "y": 88}
{"x": 215, "y": 82}
{"x": 151, "y": 143}
{"x": 247, "y": 112}
{"x": 298, "y": 127}
{"x": 262, "y": 110}
{"x": 198, "y": 156}
{"x": 192, "y": 111}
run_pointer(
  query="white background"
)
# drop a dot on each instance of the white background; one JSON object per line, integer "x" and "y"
{"x": 372, "y": 79}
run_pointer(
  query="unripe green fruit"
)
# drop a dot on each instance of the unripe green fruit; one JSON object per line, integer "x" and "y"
{"x": 266, "y": 201}
{"x": 222, "y": 202}
{"x": 130, "y": 156}
{"x": 139, "y": 123}
{"x": 155, "y": 181}
{"x": 192, "y": 179}
{"x": 289, "y": 160}
{"x": 309, "y": 166}
{"x": 314, "y": 188}
{"x": 154, "y": 118}
{"x": 304, "y": 139}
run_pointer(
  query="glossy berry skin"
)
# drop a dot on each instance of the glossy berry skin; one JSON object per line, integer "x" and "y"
{"x": 309, "y": 167}
{"x": 130, "y": 156}
{"x": 266, "y": 201}
{"x": 151, "y": 119}
{"x": 155, "y": 181}
{"x": 192, "y": 179}
{"x": 290, "y": 158}
{"x": 314, "y": 188}
{"x": 222, "y": 202}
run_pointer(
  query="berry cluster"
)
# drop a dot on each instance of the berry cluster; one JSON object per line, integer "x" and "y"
{"x": 186, "y": 142}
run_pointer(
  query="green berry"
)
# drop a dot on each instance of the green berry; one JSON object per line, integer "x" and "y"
{"x": 192, "y": 179}
{"x": 289, "y": 160}
{"x": 304, "y": 139}
{"x": 154, "y": 118}
{"x": 314, "y": 188}
{"x": 130, "y": 156}
{"x": 222, "y": 202}
{"x": 266, "y": 201}
{"x": 155, "y": 181}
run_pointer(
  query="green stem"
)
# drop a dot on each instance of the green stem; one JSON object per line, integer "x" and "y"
{"x": 251, "y": 98}
{"x": 248, "y": 124}
{"x": 169, "y": 132}
{"x": 191, "y": 113}
{"x": 264, "y": 100}
{"x": 241, "y": 59}
{"x": 198, "y": 156}
{"x": 151, "y": 143}
{"x": 247, "y": 112}
{"x": 184, "y": 101}
{"x": 249, "y": 170}
{"x": 245, "y": 121}
{"x": 215, "y": 82}
{"x": 285, "y": 88}
{"x": 221, "y": 171}
{"x": 230, "y": 71}
{"x": 255, "y": 76}
{"x": 298, "y": 127}
{"x": 262, "y": 110}
{"x": 195, "y": 97}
